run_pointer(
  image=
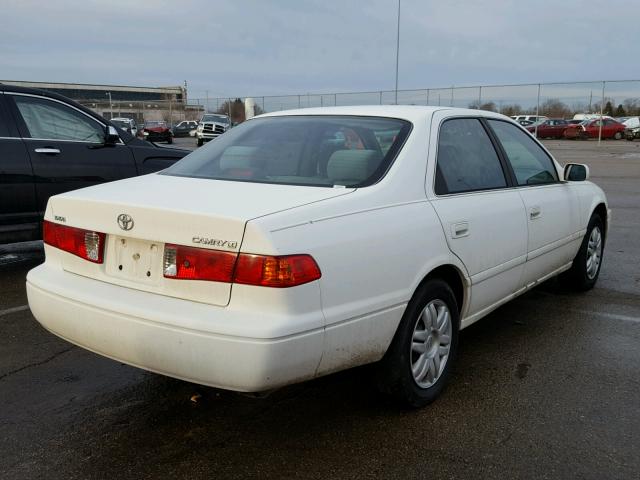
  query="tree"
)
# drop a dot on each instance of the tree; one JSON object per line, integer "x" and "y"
{"x": 608, "y": 109}
{"x": 620, "y": 111}
{"x": 511, "y": 110}
{"x": 631, "y": 106}
{"x": 607, "y": 106}
{"x": 490, "y": 106}
{"x": 553, "y": 107}
{"x": 235, "y": 110}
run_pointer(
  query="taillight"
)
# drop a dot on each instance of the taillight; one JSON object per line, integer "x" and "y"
{"x": 191, "y": 263}
{"x": 85, "y": 244}
{"x": 282, "y": 271}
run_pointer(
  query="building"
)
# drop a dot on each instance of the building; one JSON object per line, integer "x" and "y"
{"x": 140, "y": 103}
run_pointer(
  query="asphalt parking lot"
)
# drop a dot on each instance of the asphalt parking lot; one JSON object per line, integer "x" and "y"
{"x": 547, "y": 386}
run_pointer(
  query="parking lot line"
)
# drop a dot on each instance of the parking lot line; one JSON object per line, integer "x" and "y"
{"x": 611, "y": 316}
{"x": 8, "y": 311}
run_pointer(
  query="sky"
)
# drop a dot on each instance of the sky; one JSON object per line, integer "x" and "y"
{"x": 273, "y": 47}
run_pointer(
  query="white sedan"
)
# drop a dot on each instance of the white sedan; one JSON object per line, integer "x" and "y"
{"x": 305, "y": 242}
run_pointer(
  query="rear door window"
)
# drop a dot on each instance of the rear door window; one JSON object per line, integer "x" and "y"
{"x": 466, "y": 159}
{"x": 49, "y": 120}
{"x": 529, "y": 161}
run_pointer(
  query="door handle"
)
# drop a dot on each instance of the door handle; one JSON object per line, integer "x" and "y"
{"x": 460, "y": 229}
{"x": 535, "y": 212}
{"x": 48, "y": 150}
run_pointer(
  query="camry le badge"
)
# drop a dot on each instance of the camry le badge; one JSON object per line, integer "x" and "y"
{"x": 125, "y": 222}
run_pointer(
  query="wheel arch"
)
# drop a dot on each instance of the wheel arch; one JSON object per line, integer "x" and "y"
{"x": 455, "y": 278}
{"x": 601, "y": 210}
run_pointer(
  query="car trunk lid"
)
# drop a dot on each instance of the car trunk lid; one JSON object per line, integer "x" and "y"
{"x": 141, "y": 215}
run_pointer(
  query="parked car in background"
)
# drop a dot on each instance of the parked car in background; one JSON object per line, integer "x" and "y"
{"x": 126, "y": 124}
{"x": 632, "y": 128}
{"x": 591, "y": 129}
{"x": 574, "y": 121}
{"x": 157, "y": 131}
{"x": 50, "y": 145}
{"x": 549, "y": 128}
{"x": 184, "y": 128}
{"x": 297, "y": 245}
{"x": 211, "y": 126}
{"x": 590, "y": 116}
{"x": 525, "y": 119}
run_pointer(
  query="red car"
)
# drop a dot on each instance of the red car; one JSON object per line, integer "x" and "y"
{"x": 549, "y": 128}
{"x": 591, "y": 129}
{"x": 157, "y": 131}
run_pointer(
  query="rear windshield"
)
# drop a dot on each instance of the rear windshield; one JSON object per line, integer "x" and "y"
{"x": 300, "y": 150}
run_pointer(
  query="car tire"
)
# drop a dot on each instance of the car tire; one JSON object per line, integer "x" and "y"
{"x": 200, "y": 142}
{"x": 170, "y": 140}
{"x": 584, "y": 272}
{"x": 618, "y": 135}
{"x": 418, "y": 363}
{"x": 629, "y": 139}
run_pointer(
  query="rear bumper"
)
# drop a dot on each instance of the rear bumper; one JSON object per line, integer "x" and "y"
{"x": 168, "y": 335}
{"x": 153, "y": 136}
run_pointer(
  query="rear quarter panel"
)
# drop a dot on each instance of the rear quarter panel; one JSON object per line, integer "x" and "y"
{"x": 372, "y": 260}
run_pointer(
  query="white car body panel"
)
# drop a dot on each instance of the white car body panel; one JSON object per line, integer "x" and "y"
{"x": 374, "y": 247}
{"x": 553, "y": 232}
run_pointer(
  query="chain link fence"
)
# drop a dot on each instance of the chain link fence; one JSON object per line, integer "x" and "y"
{"x": 171, "y": 111}
{"x": 563, "y": 99}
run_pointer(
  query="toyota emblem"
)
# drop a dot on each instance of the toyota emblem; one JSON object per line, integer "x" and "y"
{"x": 125, "y": 222}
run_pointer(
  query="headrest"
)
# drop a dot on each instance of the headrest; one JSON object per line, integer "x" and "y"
{"x": 352, "y": 165}
{"x": 237, "y": 157}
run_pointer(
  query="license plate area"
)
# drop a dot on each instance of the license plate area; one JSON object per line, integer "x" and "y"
{"x": 135, "y": 260}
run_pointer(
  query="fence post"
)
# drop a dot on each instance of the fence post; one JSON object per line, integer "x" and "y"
{"x": 263, "y": 110}
{"x": 298, "y": 101}
{"x": 335, "y": 99}
{"x": 537, "y": 110}
{"x": 479, "y": 96}
{"x": 321, "y": 102}
{"x": 427, "y": 96}
{"x": 381, "y": 98}
{"x": 601, "y": 111}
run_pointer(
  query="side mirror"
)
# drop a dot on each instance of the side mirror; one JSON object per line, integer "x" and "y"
{"x": 576, "y": 172}
{"x": 111, "y": 136}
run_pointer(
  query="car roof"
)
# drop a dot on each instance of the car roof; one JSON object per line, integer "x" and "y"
{"x": 412, "y": 113}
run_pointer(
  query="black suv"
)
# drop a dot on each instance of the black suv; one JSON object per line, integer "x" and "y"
{"x": 49, "y": 145}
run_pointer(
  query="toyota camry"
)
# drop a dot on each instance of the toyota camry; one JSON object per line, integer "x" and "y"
{"x": 306, "y": 242}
